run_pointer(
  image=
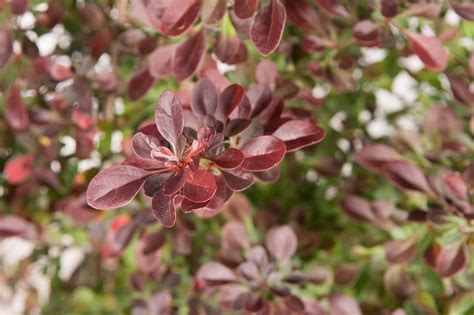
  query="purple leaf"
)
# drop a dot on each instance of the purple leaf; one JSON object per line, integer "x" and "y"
{"x": 303, "y": 15}
{"x": 237, "y": 179}
{"x": 451, "y": 259}
{"x": 298, "y": 134}
{"x": 341, "y": 304}
{"x": 169, "y": 117}
{"x": 464, "y": 9}
{"x": 160, "y": 61}
{"x": 178, "y": 16}
{"x": 6, "y": 46}
{"x": 398, "y": 282}
{"x": 229, "y": 159}
{"x": 141, "y": 82}
{"x": 153, "y": 241}
{"x": 357, "y": 208}
{"x": 376, "y": 155}
{"x": 215, "y": 273}
{"x": 204, "y": 98}
{"x": 12, "y": 225}
{"x": 400, "y": 251}
{"x": 175, "y": 182}
{"x": 244, "y": 9}
{"x": 15, "y": 111}
{"x": 429, "y": 49}
{"x": 281, "y": 242}
{"x": 406, "y": 176}
{"x": 200, "y": 186}
{"x": 267, "y": 27}
{"x": 188, "y": 55}
{"x": 229, "y": 99}
{"x": 268, "y": 176}
{"x": 164, "y": 209}
{"x": 142, "y": 145}
{"x": 263, "y": 153}
{"x": 115, "y": 187}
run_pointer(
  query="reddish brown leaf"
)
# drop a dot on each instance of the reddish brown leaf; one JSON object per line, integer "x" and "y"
{"x": 281, "y": 242}
{"x": 229, "y": 158}
{"x": 451, "y": 259}
{"x": 245, "y": 8}
{"x": 12, "y": 225}
{"x": 141, "y": 82}
{"x": 298, "y": 134}
{"x": 263, "y": 153}
{"x": 267, "y": 28}
{"x": 188, "y": 55}
{"x": 341, "y": 304}
{"x": 15, "y": 111}
{"x": 464, "y": 9}
{"x": 6, "y": 46}
{"x": 429, "y": 49}
{"x": 164, "y": 209}
{"x": 200, "y": 186}
{"x": 169, "y": 117}
{"x": 215, "y": 273}
{"x": 406, "y": 176}
{"x": 400, "y": 251}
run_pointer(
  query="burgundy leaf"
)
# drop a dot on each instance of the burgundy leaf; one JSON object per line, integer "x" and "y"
{"x": 366, "y": 33}
{"x": 357, "y": 208}
{"x": 245, "y": 8}
{"x": 115, "y": 187}
{"x": 236, "y": 126}
{"x": 229, "y": 99}
{"x": 179, "y": 16}
{"x": 19, "y": 6}
{"x": 188, "y": 205}
{"x": 143, "y": 145}
{"x": 153, "y": 241}
{"x": 429, "y": 49}
{"x": 12, "y": 225}
{"x": 406, "y": 176}
{"x": 141, "y": 82}
{"x": 268, "y": 176}
{"x": 281, "y": 242}
{"x": 298, "y": 134}
{"x": 263, "y": 153}
{"x": 175, "y": 182}
{"x": 15, "y": 111}
{"x": 231, "y": 50}
{"x": 398, "y": 282}
{"x": 215, "y": 273}
{"x": 18, "y": 169}
{"x": 169, "y": 117}
{"x": 311, "y": 44}
{"x": 266, "y": 72}
{"x": 160, "y": 61}
{"x": 188, "y": 55}
{"x": 200, "y": 186}
{"x": 464, "y": 9}
{"x": 400, "y": 251}
{"x": 303, "y": 15}
{"x": 213, "y": 11}
{"x": 164, "y": 209}
{"x": 461, "y": 91}
{"x": 238, "y": 180}
{"x": 204, "y": 98}
{"x": 222, "y": 195}
{"x": 451, "y": 259}
{"x": 376, "y": 155}
{"x": 341, "y": 304}
{"x": 427, "y": 10}
{"x": 335, "y": 8}
{"x": 267, "y": 28}
{"x": 154, "y": 183}
{"x": 234, "y": 234}
{"x": 228, "y": 159}
{"x": 6, "y": 46}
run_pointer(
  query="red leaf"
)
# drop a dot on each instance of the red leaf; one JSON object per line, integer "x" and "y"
{"x": 429, "y": 49}
{"x": 245, "y": 8}
{"x": 238, "y": 180}
{"x": 200, "y": 186}
{"x": 188, "y": 56}
{"x": 281, "y": 242}
{"x": 298, "y": 134}
{"x": 6, "y": 46}
{"x": 115, "y": 187}
{"x": 229, "y": 159}
{"x": 406, "y": 176}
{"x": 15, "y": 111}
{"x": 18, "y": 169}
{"x": 169, "y": 117}
{"x": 141, "y": 82}
{"x": 229, "y": 99}
{"x": 174, "y": 184}
{"x": 160, "y": 61}
{"x": 333, "y": 7}
{"x": 377, "y": 155}
{"x": 204, "y": 98}
{"x": 143, "y": 145}
{"x": 400, "y": 251}
{"x": 263, "y": 153}
{"x": 267, "y": 27}
{"x": 12, "y": 225}
{"x": 451, "y": 259}
{"x": 303, "y": 15}
{"x": 178, "y": 16}
{"x": 341, "y": 304}
{"x": 464, "y": 9}
{"x": 215, "y": 273}
{"x": 164, "y": 209}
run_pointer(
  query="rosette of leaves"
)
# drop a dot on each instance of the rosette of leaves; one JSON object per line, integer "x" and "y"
{"x": 196, "y": 157}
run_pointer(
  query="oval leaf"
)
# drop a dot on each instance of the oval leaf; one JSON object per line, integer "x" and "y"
{"x": 200, "y": 186}
{"x": 281, "y": 242}
{"x": 263, "y": 153}
{"x": 229, "y": 159}
{"x": 188, "y": 56}
{"x": 298, "y": 134}
{"x": 267, "y": 28}
{"x": 6, "y": 46}
{"x": 169, "y": 117}
{"x": 204, "y": 98}
{"x": 15, "y": 111}
{"x": 430, "y": 50}
{"x": 115, "y": 187}
{"x": 164, "y": 209}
